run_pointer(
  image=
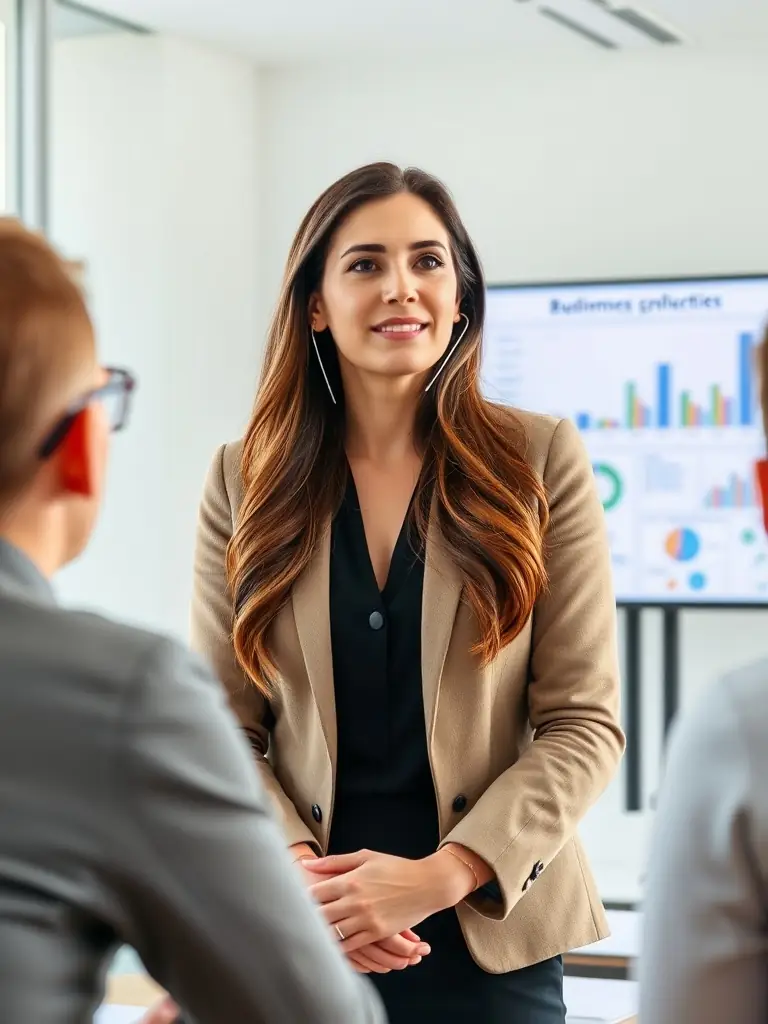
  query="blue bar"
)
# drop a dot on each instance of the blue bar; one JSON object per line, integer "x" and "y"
{"x": 582, "y": 420}
{"x": 745, "y": 380}
{"x": 663, "y": 395}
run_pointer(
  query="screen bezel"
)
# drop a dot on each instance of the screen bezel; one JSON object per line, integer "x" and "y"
{"x": 671, "y": 605}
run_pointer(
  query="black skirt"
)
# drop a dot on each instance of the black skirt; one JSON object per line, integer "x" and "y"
{"x": 447, "y": 987}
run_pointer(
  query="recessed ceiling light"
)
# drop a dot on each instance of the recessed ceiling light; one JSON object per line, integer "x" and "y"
{"x": 578, "y": 28}
{"x": 608, "y": 25}
{"x": 645, "y": 23}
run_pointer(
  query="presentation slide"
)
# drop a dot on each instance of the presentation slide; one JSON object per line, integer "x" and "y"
{"x": 660, "y": 379}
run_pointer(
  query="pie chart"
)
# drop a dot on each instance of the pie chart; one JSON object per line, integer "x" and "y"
{"x": 682, "y": 544}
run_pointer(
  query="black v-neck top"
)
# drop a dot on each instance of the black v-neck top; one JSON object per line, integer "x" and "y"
{"x": 385, "y": 797}
{"x": 376, "y": 642}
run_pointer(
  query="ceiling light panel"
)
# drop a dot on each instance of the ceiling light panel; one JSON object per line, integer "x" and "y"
{"x": 618, "y": 26}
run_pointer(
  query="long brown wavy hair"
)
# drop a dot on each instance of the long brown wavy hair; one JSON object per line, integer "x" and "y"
{"x": 490, "y": 506}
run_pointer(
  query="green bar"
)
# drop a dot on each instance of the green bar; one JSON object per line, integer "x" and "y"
{"x": 684, "y": 401}
{"x": 715, "y": 399}
{"x": 630, "y": 408}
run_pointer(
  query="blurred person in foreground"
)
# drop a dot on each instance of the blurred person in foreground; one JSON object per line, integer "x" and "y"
{"x": 406, "y": 590}
{"x": 705, "y": 942}
{"x": 129, "y": 810}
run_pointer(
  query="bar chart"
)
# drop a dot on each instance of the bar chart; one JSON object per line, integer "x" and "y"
{"x": 681, "y": 410}
{"x": 660, "y": 380}
{"x": 737, "y": 492}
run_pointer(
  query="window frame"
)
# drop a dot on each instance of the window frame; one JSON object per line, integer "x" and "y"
{"x": 9, "y": 17}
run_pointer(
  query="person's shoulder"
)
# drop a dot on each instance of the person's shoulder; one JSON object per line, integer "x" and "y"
{"x": 532, "y": 433}
{"x": 717, "y": 759}
{"x": 117, "y": 652}
{"x": 88, "y": 659}
{"x": 748, "y": 686}
{"x": 729, "y": 716}
{"x": 222, "y": 491}
{"x": 743, "y": 691}
{"x": 746, "y": 690}
{"x": 231, "y": 457}
{"x": 224, "y": 482}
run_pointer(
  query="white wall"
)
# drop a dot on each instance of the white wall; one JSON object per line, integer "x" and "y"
{"x": 626, "y": 165}
{"x": 155, "y": 184}
{"x": 3, "y": 115}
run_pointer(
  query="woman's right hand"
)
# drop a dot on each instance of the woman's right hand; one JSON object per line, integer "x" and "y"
{"x": 393, "y": 954}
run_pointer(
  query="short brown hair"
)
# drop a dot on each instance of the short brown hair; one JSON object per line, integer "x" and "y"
{"x": 46, "y": 342}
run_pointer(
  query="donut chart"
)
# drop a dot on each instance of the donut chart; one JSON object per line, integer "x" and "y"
{"x": 610, "y": 484}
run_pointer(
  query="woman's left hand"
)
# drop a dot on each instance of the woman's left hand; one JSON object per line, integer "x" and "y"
{"x": 372, "y": 896}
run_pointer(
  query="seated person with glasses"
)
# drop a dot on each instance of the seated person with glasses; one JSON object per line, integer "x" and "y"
{"x": 129, "y": 808}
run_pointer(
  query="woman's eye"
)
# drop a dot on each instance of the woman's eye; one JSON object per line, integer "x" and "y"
{"x": 363, "y": 266}
{"x": 430, "y": 262}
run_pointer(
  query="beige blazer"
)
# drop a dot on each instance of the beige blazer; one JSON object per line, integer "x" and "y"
{"x": 530, "y": 741}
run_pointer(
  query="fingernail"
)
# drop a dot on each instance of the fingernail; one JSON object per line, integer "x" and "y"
{"x": 416, "y": 960}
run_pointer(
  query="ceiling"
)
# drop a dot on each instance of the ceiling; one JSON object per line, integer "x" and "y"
{"x": 290, "y": 30}
{"x": 73, "y": 20}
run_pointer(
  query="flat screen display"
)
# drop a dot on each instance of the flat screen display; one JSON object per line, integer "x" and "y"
{"x": 660, "y": 378}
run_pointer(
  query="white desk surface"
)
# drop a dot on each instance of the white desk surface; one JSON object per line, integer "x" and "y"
{"x": 118, "y": 1015}
{"x": 624, "y": 940}
{"x": 599, "y": 1000}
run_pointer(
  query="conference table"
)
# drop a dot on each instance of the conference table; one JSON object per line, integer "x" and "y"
{"x": 615, "y": 955}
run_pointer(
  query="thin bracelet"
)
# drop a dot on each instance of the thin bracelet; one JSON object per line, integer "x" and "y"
{"x": 466, "y": 865}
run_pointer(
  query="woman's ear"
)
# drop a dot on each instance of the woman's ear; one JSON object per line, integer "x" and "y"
{"x": 318, "y": 321}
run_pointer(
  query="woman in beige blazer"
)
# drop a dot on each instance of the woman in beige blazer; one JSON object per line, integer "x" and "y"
{"x": 407, "y": 593}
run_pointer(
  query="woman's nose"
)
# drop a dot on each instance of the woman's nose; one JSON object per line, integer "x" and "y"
{"x": 400, "y": 287}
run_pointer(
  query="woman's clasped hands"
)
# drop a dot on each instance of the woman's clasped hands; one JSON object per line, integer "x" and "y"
{"x": 374, "y": 900}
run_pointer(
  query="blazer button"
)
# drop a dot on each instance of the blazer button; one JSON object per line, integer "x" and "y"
{"x": 459, "y": 803}
{"x": 375, "y": 620}
{"x": 317, "y": 814}
{"x": 536, "y": 871}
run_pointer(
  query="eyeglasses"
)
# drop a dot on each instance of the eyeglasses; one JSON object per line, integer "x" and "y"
{"x": 114, "y": 396}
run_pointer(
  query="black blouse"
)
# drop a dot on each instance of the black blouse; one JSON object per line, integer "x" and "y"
{"x": 376, "y": 641}
{"x": 385, "y": 797}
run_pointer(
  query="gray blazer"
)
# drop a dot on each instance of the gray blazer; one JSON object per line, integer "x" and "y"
{"x": 130, "y": 812}
{"x": 705, "y": 947}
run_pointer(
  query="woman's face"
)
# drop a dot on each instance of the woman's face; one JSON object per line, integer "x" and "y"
{"x": 389, "y": 292}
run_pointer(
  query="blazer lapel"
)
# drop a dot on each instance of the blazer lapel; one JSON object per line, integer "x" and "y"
{"x": 440, "y": 602}
{"x": 311, "y": 594}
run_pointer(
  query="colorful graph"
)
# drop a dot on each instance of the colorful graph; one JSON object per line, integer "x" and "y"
{"x": 737, "y": 492}
{"x": 720, "y": 410}
{"x": 610, "y": 484}
{"x": 682, "y": 544}
{"x": 697, "y": 581}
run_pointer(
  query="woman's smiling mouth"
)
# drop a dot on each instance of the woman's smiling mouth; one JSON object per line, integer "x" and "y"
{"x": 401, "y": 328}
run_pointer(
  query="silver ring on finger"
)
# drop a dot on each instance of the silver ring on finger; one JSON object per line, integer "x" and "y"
{"x": 340, "y": 933}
